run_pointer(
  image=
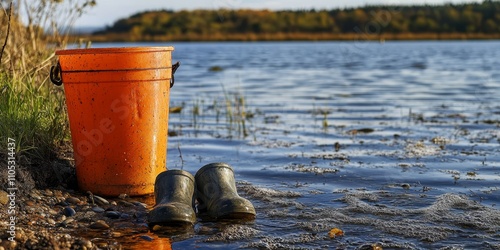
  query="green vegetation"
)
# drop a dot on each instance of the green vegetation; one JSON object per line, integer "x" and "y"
{"x": 32, "y": 110}
{"x": 474, "y": 20}
{"x": 34, "y": 117}
{"x": 236, "y": 114}
{"x": 234, "y": 108}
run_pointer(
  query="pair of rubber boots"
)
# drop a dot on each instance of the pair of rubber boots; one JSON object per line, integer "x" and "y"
{"x": 215, "y": 191}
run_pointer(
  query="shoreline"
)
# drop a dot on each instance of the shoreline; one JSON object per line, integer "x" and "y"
{"x": 252, "y": 37}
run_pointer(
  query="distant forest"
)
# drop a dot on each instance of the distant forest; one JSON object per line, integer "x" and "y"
{"x": 473, "y": 20}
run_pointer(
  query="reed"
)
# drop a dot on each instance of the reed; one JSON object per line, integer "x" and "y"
{"x": 236, "y": 112}
{"x": 32, "y": 110}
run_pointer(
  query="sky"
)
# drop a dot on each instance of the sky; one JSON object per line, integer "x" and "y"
{"x": 106, "y": 12}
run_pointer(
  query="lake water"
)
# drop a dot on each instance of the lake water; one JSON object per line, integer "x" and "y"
{"x": 394, "y": 143}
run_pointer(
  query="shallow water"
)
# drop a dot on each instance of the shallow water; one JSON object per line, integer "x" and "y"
{"x": 394, "y": 143}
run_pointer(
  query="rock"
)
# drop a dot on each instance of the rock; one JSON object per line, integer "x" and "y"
{"x": 112, "y": 214}
{"x": 62, "y": 204}
{"x": 72, "y": 200}
{"x": 57, "y": 193}
{"x": 125, "y": 216}
{"x": 61, "y": 218}
{"x": 68, "y": 221}
{"x": 51, "y": 221}
{"x": 10, "y": 244}
{"x": 100, "y": 224}
{"x": 146, "y": 237}
{"x": 100, "y": 201}
{"x": 69, "y": 211}
{"x": 123, "y": 196}
{"x": 140, "y": 204}
{"x": 36, "y": 196}
{"x": 98, "y": 209}
{"x": 102, "y": 245}
{"x": 4, "y": 198}
{"x": 125, "y": 203}
{"x": 87, "y": 243}
{"x": 116, "y": 234}
{"x": 52, "y": 211}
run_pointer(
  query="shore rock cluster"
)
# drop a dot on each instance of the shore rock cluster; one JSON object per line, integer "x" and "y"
{"x": 64, "y": 219}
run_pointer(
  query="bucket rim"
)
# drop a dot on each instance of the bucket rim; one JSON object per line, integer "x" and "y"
{"x": 114, "y": 50}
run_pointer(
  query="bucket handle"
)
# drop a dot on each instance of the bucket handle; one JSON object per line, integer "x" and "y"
{"x": 175, "y": 66}
{"x": 56, "y": 76}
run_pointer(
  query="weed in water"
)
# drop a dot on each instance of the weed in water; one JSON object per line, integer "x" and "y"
{"x": 324, "y": 113}
{"x": 236, "y": 114}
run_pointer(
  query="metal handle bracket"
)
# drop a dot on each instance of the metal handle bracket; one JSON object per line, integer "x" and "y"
{"x": 175, "y": 66}
{"x": 56, "y": 75}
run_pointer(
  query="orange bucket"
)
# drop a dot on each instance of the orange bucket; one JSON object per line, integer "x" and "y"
{"x": 118, "y": 103}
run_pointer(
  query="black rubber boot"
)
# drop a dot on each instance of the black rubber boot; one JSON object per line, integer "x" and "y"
{"x": 174, "y": 191}
{"x": 217, "y": 195}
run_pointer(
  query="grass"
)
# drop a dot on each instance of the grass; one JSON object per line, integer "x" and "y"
{"x": 32, "y": 110}
{"x": 236, "y": 114}
{"x": 231, "y": 111}
{"x": 323, "y": 112}
{"x": 34, "y": 116}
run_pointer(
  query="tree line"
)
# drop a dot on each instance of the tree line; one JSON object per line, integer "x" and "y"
{"x": 478, "y": 18}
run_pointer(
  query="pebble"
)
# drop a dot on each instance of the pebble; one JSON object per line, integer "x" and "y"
{"x": 61, "y": 218}
{"x": 72, "y": 200}
{"x": 100, "y": 224}
{"x": 100, "y": 201}
{"x": 35, "y": 196}
{"x": 4, "y": 198}
{"x": 123, "y": 196}
{"x": 146, "y": 237}
{"x": 125, "y": 216}
{"x": 140, "y": 204}
{"x": 69, "y": 211}
{"x": 10, "y": 244}
{"x": 51, "y": 221}
{"x": 29, "y": 203}
{"x": 48, "y": 192}
{"x": 125, "y": 203}
{"x": 116, "y": 234}
{"x": 102, "y": 245}
{"x": 112, "y": 214}
{"x": 52, "y": 212}
{"x": 86, "y": 243}
{"x": 98, "y": 209}
{"x": 62, "y": 204}
{"x": 68, "y": 221}
{"x": 57, "y": 193}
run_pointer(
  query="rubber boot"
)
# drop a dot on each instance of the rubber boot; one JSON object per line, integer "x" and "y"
{"x": 217, "y": 195}
{"x": 174, "y": 191}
